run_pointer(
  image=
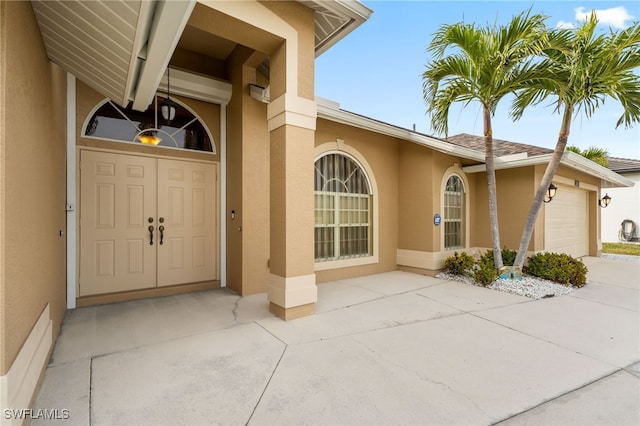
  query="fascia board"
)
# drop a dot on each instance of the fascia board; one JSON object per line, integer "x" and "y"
{"x": 578, "y": 162}
{"x": 168, "y": 24}
{"x": 138, "y": 53}
{"x": 569, "y": 159}
{"x": 344, "y": 117}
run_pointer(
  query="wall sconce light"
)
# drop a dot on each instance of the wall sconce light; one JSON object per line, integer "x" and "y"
{"x": 604, "y": 201}
{"x": 551, "y": 192}
{"x": 168, "y": 107}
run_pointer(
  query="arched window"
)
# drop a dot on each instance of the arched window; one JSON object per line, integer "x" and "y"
{"x": 184, "y": 131}
{"x": 454, "y": 214}
{"x": 342, "y": 209}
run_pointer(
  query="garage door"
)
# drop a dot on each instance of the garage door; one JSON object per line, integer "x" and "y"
{"x": 567, "y": 222}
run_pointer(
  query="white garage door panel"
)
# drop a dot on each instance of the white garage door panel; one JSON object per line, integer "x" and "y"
{"x": 566, "y": 222}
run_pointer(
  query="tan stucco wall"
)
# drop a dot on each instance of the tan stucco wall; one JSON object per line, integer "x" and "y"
{"x": 381, "y": 153}
{"x": 416, "y": 201}
{"x": 249, "y": 195}
{"x": 516, "y": 188}
{"x": 247, "y": 181}
{"x": 421, "y": 180}
{"x": 301, "y": 18}
{"x": 32, "y": 181}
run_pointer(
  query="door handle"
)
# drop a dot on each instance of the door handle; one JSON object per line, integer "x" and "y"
{"x": 161, "y": 229}
{"x": 150, "y": 235}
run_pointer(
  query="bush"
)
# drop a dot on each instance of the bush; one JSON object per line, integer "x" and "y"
{"x": 485, "y": 271}
{"x": 508, "y": 256}
{"x": 558, "y": 267}
{"x": 459, "y": 263}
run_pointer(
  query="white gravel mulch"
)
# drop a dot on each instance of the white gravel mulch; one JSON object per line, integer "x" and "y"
{"x": 529, "y": 286}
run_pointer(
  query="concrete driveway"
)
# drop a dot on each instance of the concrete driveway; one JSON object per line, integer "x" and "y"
{"x": 394, "y": 348}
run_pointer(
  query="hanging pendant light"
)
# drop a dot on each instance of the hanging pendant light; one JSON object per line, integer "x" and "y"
{"x": 148, "y": 134}
{"x": 168, "y": 107}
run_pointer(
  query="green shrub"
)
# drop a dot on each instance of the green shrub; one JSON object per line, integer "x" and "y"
{"x": 558, "y": 267}
{"x": 459, "y": 263}
{"x": 508, "y": 256}
{"x": 485, "y": 270}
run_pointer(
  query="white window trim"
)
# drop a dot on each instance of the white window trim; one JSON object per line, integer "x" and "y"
{"x": 339, "y": 147}
{"x": 455, "y": 170}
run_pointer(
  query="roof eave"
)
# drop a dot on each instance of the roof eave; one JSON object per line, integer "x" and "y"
{"x": 164, "y": 31}
{"x": 336, "y": 115}
{"x": 354, "y": 14}
{"x": 609, "y": 178}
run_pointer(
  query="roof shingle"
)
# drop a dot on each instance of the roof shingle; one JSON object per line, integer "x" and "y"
{"x": 624, "y": 165}
{"x": 501, "y": 147}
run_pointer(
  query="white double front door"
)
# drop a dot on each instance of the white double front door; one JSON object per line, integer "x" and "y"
{"x": 146, "y": 222}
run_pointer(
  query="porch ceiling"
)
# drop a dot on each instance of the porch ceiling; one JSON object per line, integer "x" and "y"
{"x": 121, "y": 48}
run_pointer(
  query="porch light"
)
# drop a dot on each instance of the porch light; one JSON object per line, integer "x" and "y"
{"x": 551, "y": 192}
{"x": 604, "y": 201}
{"x": 168, "y": 107}
{"x": 149, "y": 138}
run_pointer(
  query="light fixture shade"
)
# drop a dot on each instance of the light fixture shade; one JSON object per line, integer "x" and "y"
{"x": 149, "y": 139}
{"x": 168, "y": 109}
{"x": 551, "y": 192}
{"x": 604, "y": 202}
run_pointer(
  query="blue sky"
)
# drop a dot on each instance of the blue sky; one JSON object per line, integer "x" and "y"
{"x": 377, "y": 71}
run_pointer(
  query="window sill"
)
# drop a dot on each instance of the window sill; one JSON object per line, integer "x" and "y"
{"x": 345, "y": 263}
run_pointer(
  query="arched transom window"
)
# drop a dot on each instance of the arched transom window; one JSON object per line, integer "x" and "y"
{"x": 454, "y": 213}
{"x": 184, "y": 131}
{"x": 342, "y": 209}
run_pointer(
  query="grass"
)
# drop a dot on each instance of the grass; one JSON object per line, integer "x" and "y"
{"x": 621, "y": 248}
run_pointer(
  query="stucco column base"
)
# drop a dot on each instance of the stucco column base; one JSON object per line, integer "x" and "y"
{"x": 292, "y": 313}
{"x": 292, "y": 297}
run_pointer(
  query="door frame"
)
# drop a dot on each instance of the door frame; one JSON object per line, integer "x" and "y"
{"x": 71, "y": 206}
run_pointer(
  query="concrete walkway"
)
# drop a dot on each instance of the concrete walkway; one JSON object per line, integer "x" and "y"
{"x": 394, "y": 348}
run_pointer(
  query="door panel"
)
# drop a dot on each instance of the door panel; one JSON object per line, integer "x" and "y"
{"x": 567, "y": 222}
{"x": 187, "y": 197}
{"x": 118, "y": 194}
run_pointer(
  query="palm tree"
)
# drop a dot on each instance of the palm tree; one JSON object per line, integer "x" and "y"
{"x": 482, "y": 64}
{"x": 595, "y": 154}
{"x": 581, "y": 69}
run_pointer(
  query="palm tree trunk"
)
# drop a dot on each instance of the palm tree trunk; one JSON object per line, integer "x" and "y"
{"x": 541, "y": 192}
{"x": 491, "y": 187}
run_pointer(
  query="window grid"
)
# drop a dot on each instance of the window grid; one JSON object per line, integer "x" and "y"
{"x": 454, "y": 213}
{"x": 342, "y": 209}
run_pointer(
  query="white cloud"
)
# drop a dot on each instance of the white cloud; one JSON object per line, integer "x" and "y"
{"x": 565, "y": 25}
{"x": 615, "y": 16}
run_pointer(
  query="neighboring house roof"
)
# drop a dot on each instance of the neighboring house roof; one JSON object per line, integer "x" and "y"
{"x": 624, "y": 165}
{"x": 501, "y": 147}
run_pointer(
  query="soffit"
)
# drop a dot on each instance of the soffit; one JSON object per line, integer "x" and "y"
{"x": 205, "y": 43}
{"x": 121, "y": 48}
{"x": 335, "y": 19}
{"x": 92, "y": 40}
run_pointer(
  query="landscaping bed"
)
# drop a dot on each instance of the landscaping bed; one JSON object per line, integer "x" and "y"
{"x": 545, "y": 274}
